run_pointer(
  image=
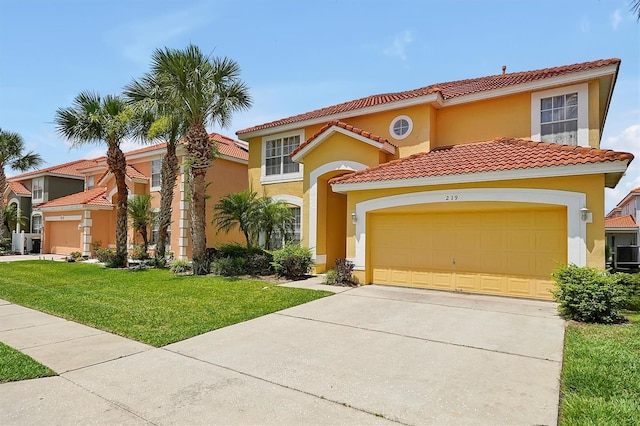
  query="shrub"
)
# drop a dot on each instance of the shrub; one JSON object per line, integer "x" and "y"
{"x": 75, "y": 256}
{"x": 631, "y": 283}
{"x": 139, "y": 253}
{"x": 181, "y": 266}
{"x": 230, "y": 266}
{"x": 5, "y": 245}
{"x": 292, "y": 261}
{"x": 590, "y": 295}
{"x": 344, "y": 271}
{"x": 331, "y": 277}
{"x": 106, "y": 256}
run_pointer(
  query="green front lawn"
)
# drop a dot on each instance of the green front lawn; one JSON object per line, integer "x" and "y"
{"x": 601, "y": 374}
{"x": 14, "y": 366}
{"x": 152, "y": 306}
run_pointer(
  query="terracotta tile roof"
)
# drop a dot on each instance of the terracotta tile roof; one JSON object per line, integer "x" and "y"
{"x": 497, "y": 155}
{"x": 620, "y": 222}
{"x": 91, "y": 197}
{"x": 226, "y": 146}
{"x": 448, "y": 90}
{"x": 345, "y": 126}
{"x": 18, "y": 188}
{"x": 70, "y": 169}
{"x": 131, "y": 173}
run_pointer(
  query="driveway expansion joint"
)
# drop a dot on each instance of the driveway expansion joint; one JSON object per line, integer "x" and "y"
{"x": 344, "y": 404}
{"x": 460, "y": 345}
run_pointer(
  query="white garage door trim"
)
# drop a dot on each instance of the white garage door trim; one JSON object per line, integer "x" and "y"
{"x": 573, "y": 201}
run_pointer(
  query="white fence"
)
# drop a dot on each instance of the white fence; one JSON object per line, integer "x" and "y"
{"x": 25, "y": 243}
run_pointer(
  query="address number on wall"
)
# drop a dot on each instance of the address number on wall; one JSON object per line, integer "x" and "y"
{"x": 450, "y": 197}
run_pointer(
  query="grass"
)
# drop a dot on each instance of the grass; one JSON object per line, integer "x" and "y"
{"x": 152, "y": 306}
{"x": 15, "y": 365}
{"x": 601, "y": 374}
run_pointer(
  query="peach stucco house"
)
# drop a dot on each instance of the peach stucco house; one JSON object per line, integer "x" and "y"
{"x": 85, "y": 220}
{"x": 483, "y": 185}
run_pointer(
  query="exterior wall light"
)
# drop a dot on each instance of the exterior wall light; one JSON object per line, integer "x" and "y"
{"x": 354, "y": 218}
{"x": 584, "y": 213}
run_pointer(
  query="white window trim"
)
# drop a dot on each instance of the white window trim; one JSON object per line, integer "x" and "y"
{"x": 294, "y": 201}
{"x": 90, "y": 182}
{"x": 283, "y": 177}
{"x": 155, "y": 188}
{"x": 33, "y": 184}
{"x": 394, "y": 121}
{"x": 41, "y": 222}
{"x": 573, "y": 201}
{"x": 583, "y": 110}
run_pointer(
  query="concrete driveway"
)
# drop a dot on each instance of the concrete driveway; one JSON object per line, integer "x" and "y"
{"x": 369, "y": 355}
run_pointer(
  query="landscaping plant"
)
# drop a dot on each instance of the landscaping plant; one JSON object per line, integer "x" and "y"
{"x": 292, "y": 261}
{"x": 590, "y": 295}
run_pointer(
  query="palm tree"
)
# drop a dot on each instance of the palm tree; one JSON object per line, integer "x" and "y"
{"x": 142, "y": 217}
{"x": 156, "y": 121}
{"x": 12, "y": 218}
{"x": 12, "y": 155}
{"x": 241, "y": 209}
{"x": 203, "y": 91}
{"x": 94, "y": 119}
{"x": 275, "y": 219}
{"x": 635, "y": 8}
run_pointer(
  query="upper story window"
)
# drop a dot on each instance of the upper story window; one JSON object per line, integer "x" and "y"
{"x": 561, "y": 116}
{"x": 90, "y": 182}
{"x": 401, "y": 127}
{"x": 156, "y": 175}
{"x": 37, "y": 190}
{"x": 277, "y": 166}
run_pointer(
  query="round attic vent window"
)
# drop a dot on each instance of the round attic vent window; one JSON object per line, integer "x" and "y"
{"x": 401, "y": 127}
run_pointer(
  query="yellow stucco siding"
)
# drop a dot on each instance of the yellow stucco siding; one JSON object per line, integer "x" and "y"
{"x": 508, "y": 116}
{"x": 591, "y": 185}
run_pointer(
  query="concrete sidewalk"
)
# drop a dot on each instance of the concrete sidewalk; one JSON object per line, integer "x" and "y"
{"x": 369, "y": 355}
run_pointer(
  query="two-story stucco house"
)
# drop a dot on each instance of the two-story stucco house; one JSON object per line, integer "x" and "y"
{"x": 28, "y": 190}
{"x": 85, "y": 220}
{"x": 622, "y": 231}
{"x": 483, "y": 185}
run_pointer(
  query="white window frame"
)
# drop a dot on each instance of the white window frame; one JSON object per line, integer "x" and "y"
{"x": 33, "y": 230}
{"x": 282, "y": 177}
{"x": 90, "y": 182}
{"x": 393, "y": 123}
{"x": 35, "y": 183}
{"x": 152, "y": 186}
{"x": 583, "y": 111}
{"x": 292, "y": 201}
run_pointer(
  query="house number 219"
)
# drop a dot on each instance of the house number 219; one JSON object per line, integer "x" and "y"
{"x": 450, "y": 197}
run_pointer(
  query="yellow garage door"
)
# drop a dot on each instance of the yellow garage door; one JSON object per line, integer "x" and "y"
{"x": 505, "y": 252}
{"x": 63, "y": 237}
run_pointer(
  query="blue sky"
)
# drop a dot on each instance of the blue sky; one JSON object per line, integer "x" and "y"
{"x": 297, "y": 55}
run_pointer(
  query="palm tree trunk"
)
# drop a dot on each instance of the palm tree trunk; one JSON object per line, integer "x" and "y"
{"x": 3, "y": 186}
{"x": 118, "y": 166}
{"x": 199, "y": 151}
{"x": 169, "y": 173}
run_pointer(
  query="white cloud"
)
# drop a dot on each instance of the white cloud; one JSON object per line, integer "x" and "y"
{"x": 627, "y": 141}
{"x": 616, "y": 18}
{"x": 137, "y": 40}
{"x": 585, "y": 24}
{"x": 398, "y": 47}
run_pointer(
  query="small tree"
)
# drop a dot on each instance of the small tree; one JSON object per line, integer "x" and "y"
{"x": 12, "y": 218}
{"x": 275, "y": 219}
{"x": 241, "y": 209}
{"x": 141, "y": 217}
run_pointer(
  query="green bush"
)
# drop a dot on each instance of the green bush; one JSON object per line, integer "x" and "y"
{"x": 106, "y": 256}
{"x": 590, "y": 295}
{"x": 181, "y": 266}
{"x": 292, "y": 261}
{"x": 331, "y": 277}
{"x": 230, "y": 266}
{"x": 631, "y": 283}
{"x": 5, "y": 245}
{"x": 139, "y": 253}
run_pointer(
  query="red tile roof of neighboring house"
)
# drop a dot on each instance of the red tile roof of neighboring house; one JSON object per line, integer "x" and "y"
{"x": 90, "y": 197}
{"x": 620, "y": 222}
{"x": 345, "y": 126}
{"x": 131, "y": 173}
{"x": 226, "y": 146}
{"x": 448, "y": 90}
{"x": 19, "y": 189}
{"x": 497, "y": 155}
{"x": 70, "y": 169}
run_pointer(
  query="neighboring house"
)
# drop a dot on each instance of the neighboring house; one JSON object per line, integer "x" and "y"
{"x": 86, "y": 220}
{"x": 483, "y": 185}
{"x": 621, "y": 229}
{"x": 28, "y": 190}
